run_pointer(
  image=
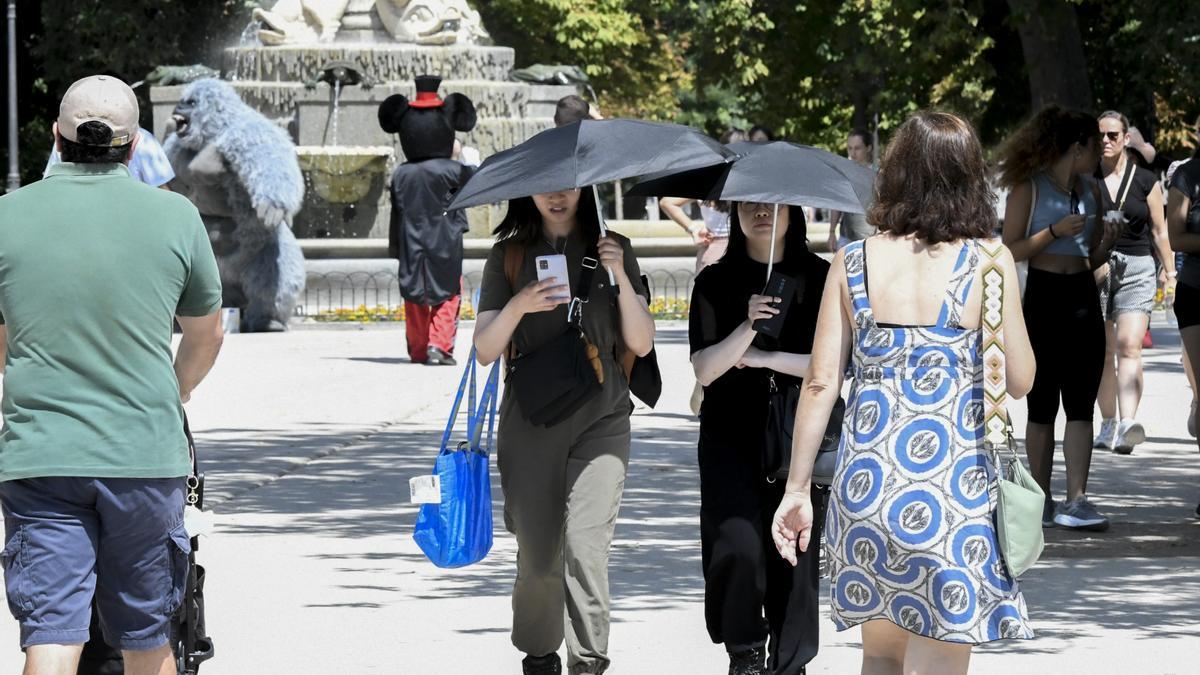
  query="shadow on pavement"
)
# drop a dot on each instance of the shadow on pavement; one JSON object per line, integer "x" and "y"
{"x": 355, "y": 485}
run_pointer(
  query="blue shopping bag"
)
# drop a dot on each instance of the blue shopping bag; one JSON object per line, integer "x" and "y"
{"x": 458, "y": 531}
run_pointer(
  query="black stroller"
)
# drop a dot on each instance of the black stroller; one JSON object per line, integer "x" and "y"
{"x": 189, "y": 640}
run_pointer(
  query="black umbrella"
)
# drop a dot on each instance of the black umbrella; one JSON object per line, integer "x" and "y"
{"x": 771, "y": 173}
{"x": 586, "y": 153}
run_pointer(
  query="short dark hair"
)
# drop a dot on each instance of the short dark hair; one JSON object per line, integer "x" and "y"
{"x": 93, "y": 148}
{"x": 770, "y": 133}
{"x": 866, "y": 137}
{"x": 523, "y": 222}
{"x": 571, "y": 109}
{"x": 933, "y": 182}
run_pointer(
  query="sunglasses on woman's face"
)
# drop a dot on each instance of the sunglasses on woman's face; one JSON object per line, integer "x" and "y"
{"x": 1111, "y": 135}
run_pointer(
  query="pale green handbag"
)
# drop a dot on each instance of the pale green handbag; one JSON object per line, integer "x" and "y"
{"x": 1021, "y": 500}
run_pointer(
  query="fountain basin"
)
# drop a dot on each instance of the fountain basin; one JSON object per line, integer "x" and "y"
{"x": 345, "y": 191}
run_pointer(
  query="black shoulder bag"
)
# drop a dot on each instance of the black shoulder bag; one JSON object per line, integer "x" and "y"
{"x": 645, "y": 379}
{"x": 781, "y": 422}
{"x": 555, "y": 381}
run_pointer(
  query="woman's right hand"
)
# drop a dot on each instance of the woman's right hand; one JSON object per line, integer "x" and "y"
{"x": 761, "y": 307}
{"x": 1070, "y": 225}
{"x": 791, "y": 528}
{"x": 542, "y": 296}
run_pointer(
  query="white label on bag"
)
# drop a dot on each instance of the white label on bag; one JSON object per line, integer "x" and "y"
{"x": 425, "y": 489}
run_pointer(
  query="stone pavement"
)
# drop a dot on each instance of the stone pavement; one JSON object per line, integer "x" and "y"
{"x": 309, "y": 439}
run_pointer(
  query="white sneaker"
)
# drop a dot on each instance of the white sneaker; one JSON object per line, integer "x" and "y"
{"x": 1129, "y": 434}
{"x": 1106, "y": 436}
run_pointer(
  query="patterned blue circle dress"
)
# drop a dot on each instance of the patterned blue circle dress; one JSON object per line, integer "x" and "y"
{"x": 911, "y": 533}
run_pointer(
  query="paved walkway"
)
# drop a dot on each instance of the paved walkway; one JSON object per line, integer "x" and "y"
{"x": 309, "y": 439}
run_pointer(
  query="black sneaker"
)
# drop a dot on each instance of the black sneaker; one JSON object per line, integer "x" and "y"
{"x": 549, "y": 664}
{"x": 1198, "y": 510}
{"x": 438, "y": 357}
{"x": 748, "y": 662}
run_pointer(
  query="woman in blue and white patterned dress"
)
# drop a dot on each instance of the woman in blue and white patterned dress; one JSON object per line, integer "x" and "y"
{"x": 911, "y": 534}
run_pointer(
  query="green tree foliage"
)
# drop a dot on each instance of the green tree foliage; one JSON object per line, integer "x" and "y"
{"x": 63, "y": 41}
{"x": 814, "y": 68}
{"x": 809, "y": 68}
{"x": 627, "y": 47}
{"x": 1144, "y": 60}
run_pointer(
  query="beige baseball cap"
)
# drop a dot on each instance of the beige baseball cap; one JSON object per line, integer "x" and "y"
{"x": 103, "y": 99}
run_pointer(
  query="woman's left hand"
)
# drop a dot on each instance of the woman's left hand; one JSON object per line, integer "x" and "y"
{"x": 753, "y": 358}
{"x": 792, "y": 526}
{"x": 612, "y": 256}
{"x": 1105, "y": 236}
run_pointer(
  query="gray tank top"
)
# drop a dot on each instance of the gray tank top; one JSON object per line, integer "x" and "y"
{"x": 1052, "y": 205}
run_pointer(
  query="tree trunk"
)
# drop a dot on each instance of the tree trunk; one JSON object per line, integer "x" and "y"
{"x": 1053, "y": 48}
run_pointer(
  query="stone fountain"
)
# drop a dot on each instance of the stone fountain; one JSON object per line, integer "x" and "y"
{"x": 320, "y": 68}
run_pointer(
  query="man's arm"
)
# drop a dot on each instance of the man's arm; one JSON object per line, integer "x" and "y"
{"x": 3, "y": 346}
{"x": 202, "y": 338}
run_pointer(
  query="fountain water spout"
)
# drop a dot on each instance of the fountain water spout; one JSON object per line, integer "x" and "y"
{"x": 339, "y": 74}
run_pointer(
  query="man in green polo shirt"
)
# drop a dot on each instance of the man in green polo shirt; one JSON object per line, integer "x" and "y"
{"x": 94, "y": 266}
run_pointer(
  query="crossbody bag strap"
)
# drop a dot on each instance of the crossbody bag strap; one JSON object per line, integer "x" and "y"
{"x": 514, "y": 260}
{"x": 997, "y": 426}
{"x": 1032, "y": 206}
{"x": 1126, "y": 182}
{"x": 591, "y": 260}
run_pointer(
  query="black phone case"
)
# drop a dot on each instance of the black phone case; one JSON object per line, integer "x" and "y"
{"x": 783, "y": 287}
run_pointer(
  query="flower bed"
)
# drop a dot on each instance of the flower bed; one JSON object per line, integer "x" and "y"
{"x": 662, "y": 308}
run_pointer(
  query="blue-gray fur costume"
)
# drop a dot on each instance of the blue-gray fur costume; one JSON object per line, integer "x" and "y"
{"x": 240, "y": 171}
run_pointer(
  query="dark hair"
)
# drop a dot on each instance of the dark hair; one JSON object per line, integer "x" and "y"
{"x": 795, "y": 239}
{"x": 523, "y": 222}
{"x": 571, "y": 109}
{"x": 1042, "y": 140}
{"x": 863, "y": 134}
{"x": 93, "y": 147}
{"x": 1113, "y": 114}
{"x": 933, "y": 182}
{"x": 763, "y": 128}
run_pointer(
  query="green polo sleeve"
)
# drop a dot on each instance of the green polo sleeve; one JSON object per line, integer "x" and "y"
{"x": 202, "y": 291}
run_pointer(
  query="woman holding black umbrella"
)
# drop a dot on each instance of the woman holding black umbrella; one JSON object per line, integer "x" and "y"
{"x": 754, "y": 600}
{"x": 562, "y": 478}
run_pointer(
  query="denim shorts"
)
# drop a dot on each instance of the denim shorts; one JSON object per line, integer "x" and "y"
{"x": 119, "y": 539}
{"x": 1131, "y": 285}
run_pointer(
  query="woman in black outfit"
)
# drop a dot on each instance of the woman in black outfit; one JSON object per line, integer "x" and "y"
{"x": 753, "y": 598}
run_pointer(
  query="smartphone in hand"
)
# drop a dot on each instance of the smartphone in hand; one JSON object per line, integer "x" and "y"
{"x": 783, "y": 287}
{"x": 554, "y": 266}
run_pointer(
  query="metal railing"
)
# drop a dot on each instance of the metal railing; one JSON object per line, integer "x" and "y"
{"x": 332, "y": 291}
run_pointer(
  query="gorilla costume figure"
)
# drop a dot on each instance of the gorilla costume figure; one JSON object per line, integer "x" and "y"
{"x": 423, "y": 236}
{"x": 240, "y": 171}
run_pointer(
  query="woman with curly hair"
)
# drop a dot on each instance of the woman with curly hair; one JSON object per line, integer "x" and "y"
{"x": 1052, "y": 223}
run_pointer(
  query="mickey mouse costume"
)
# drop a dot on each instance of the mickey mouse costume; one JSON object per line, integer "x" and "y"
{"x": 424, "y": 236}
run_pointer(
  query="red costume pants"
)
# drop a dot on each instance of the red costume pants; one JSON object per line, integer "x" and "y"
{"x": 434, "y": 326}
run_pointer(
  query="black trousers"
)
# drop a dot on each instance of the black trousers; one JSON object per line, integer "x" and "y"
{"x": 752, "y": 596}
{"x": 1066, "y": 330}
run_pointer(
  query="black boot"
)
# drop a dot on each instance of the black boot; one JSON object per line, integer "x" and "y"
{"x": 542, "y": 665}
{"x": 438, "y": 357}
{"x": 748, "y": 662}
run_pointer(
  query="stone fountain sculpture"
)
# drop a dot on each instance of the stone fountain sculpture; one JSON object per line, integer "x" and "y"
{"x": 321, "y": 68}
{"x": 424, "y": 22}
